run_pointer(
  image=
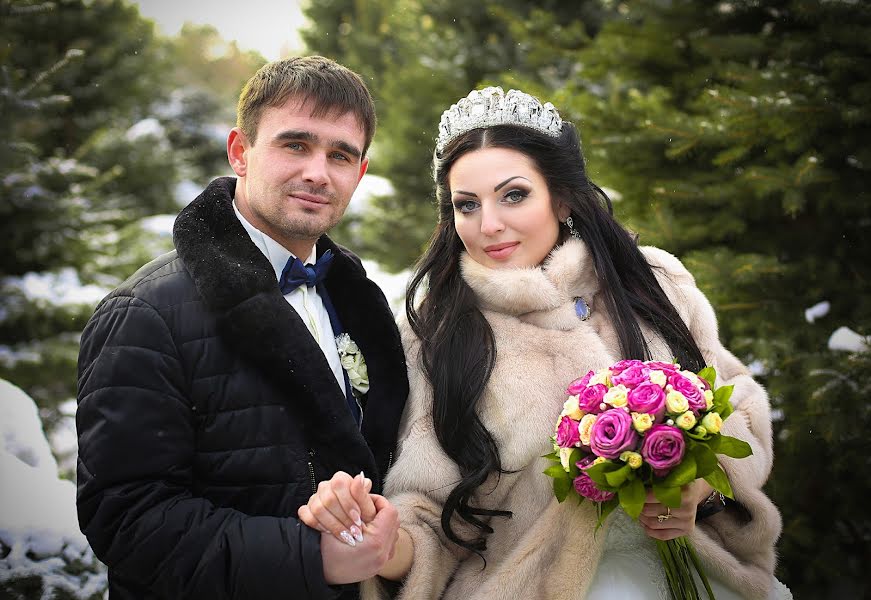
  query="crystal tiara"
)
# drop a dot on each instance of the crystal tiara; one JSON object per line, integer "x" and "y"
{"x": 492, "y": 106}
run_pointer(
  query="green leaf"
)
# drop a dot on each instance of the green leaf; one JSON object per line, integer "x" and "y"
{"x": 709, "y": 374}
{"x": 597, "y": 472}
{"x": 721, "y": 398}
{"x": 734, "y": 447}
{"x": 574, "y": 457}
{"x": 556, "y": 471}
{"x": 561, "y": 488}
{"x": 616, "y": 478}
{"x": 682, "y": 474}
{"x": 551, "y": 456}
{"x": 605, "y": 509}
{"x": 706, "y": 460}
{"x": 725, "y": 411}
{"x": 668, "y": 495}
{"x": 714, "y": 443}
{"x": 719, "y": 481}
{"x": 632, "y": 497}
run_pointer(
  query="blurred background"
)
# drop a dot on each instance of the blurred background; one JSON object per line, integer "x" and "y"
{"x": 733, "y": 134}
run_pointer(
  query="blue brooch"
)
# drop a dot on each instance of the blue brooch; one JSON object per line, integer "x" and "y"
{"x": 581, "y": 309}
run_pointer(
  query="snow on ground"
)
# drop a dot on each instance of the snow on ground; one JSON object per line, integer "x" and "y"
{"x": 39, "y": 531}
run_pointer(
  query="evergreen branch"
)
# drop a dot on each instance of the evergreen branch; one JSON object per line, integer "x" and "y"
{"x": 72, "y": 53}
{"x": 18, "y": 10}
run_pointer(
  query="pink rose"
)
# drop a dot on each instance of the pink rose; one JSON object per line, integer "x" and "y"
{"x": 691, "y": 392}
{"x": 612, "y": 433}
{"x": 631, "y": 376}
{"x": 591, "y": 398}
{"x": 622, "y": 365}
{"x": 647, "y": 398}
{"x": 567, "y": 435}
{"x": 587, "y": 488}
{"x": 655, "y": 365}
{"x": 663, "y": 448}
{"x": 578, "y": 385}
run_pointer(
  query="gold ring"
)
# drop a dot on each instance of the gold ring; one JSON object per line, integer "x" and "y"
{"x": 665, "y": 517}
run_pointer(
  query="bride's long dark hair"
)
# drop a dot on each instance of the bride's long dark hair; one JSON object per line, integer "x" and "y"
{"x": 458, "y": 350}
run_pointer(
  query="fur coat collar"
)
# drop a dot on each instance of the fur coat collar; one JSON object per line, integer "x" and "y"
{"x": 237, "y": 282}
{"x": 544, "y": 295}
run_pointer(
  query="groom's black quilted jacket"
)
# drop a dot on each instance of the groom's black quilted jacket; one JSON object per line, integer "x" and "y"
{"x": 206, "y": 411}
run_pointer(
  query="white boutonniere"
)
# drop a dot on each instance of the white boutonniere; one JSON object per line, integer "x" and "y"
{"x": 353, "y": 363}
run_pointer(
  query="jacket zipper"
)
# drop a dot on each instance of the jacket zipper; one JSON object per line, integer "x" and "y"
{"x": 311, "y": 471}
{"x": 389, "y": 460}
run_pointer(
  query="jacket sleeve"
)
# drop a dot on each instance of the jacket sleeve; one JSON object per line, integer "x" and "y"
{"x": 136, "y": 499}
{"x": 749, "y": 528}
{"x": 418, "y": 485}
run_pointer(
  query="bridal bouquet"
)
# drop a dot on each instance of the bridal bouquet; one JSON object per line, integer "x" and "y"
{"x": 642, "y": 425}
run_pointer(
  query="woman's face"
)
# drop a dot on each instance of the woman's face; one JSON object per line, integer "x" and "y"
{"x": 503, "y": 211}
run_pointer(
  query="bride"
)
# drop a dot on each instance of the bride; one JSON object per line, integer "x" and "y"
{"x": 528, "y": 282}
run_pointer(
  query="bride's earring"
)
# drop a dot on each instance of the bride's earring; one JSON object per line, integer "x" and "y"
{"x": 572, "y": 231}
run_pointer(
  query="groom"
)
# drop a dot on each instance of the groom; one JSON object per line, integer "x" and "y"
{"x": 212, "y": 396}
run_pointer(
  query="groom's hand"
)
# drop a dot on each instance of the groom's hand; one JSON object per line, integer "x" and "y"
{"x": 340, "y": 506}
{"x": 347, "y": 564}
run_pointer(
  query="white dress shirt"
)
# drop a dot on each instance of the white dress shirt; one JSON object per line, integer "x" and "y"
{"x": 305, "y": 300}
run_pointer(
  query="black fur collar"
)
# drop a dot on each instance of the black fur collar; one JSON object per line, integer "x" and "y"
{"x": 238, "y": 283}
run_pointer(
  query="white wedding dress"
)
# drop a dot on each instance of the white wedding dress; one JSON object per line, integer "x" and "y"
{"x": 631, "y": 569}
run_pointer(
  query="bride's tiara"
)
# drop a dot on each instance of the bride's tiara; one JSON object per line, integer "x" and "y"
{"x": 492, "y": 106}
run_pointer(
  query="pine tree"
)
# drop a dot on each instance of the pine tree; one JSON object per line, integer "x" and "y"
{"x": 735, "y": 134}
{"x": 101, "y": 121}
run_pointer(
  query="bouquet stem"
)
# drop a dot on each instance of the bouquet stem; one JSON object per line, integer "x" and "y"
{"x": 680, "y": 560}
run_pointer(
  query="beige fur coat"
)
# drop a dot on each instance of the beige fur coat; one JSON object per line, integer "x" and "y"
{"x": 547, "y": 550}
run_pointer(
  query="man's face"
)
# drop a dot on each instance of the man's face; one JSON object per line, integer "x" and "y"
{"x": 296, "y": 180}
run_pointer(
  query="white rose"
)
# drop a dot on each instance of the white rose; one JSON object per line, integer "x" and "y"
{"x": 571, "y": 408}
{"x": 616, "y": 396}
{"x": 658, "y": 377}
{"x": 676, "y": 403}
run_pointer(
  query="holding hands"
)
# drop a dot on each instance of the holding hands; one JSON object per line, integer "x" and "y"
{"x": 359, "y": 530}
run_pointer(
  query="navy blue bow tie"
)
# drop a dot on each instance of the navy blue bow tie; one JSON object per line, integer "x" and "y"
{"x": 295, "y": 273}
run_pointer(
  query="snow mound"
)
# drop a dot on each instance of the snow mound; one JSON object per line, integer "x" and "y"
{"x": 42, "y": 552}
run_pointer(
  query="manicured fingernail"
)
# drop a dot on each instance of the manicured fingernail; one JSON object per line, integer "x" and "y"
{"x": 355, "y": 516}
{"x": 346, "y": 537}
{"x": 358, "y": 535}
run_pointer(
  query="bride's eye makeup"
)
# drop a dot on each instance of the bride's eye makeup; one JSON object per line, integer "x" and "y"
{"x": 516, "y": 195}
{"x": 464, "y": 205}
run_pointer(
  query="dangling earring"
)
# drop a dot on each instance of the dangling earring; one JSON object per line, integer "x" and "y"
{"x": 572, "y": 231}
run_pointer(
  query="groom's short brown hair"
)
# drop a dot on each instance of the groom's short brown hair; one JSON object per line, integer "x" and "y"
{"x": 329, "y": 86}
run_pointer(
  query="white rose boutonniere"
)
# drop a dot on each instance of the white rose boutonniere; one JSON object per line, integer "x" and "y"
{"x": 353, "y": 363}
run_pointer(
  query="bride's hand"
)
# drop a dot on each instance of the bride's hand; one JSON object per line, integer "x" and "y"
{"x": 340, "y": 506}
{"x": 663, "y": 523}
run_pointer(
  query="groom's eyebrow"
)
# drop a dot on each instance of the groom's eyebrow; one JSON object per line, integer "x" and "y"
{"x": 307, "y": 136}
